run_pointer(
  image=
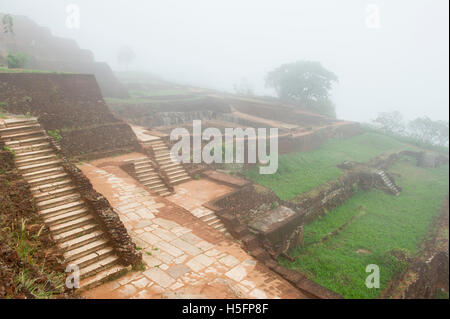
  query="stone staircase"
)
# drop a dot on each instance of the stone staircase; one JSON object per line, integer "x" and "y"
{"x": 147, "y": 176}
{"x": 389, "y": 183}
{"x": 212, "y": 220}
{"x": 71, "y": 223}
{"x": 173, "y": 170}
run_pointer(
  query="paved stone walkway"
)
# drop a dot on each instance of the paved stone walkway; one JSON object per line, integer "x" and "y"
{"x": 185, "y": 257}
{"x": 193, "y": 194}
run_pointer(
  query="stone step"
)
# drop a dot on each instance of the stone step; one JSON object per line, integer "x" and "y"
{"x": 153, "y": 182}
{"x": 166, "y": 159}
{"x": 43, "y": 188}
{"x": 38, "y": 167}
{"x": 222, "y": 229}
{"x": 35, "y": 160}
{"x": 64, "y": 208}
{"x": 70, "y": 225}
{"x": 66, "y": 217}
{"x": 169, "y": 166}
{"x": 31, "y": 148}
{"x": 167, "y": 162}
{"x": 85, "y": 250}
{"x": 149, "y": 178}
{"x": 177, "y": 175}
{"x": 175, "y": 172}
{"x": 215, "y": 222}
{"x": 22, "y": 135}
{"x": 148, "y": 173}
{"x": 102, "y": 277}
{"x": 44, "y": 173}
{"x": 143, "y": 169}
{"x": 75, "y": 233}
{"x": 143, "y": 163}
{"x": 159, "y": 189}
{"x": 58, "y": 201}
{"x": 160, "y": 150}
{"x": 31, "y": 154}
{"x": 41, "y": 196}
{"x": 179, "y": 180}
{"x": 83, "y": 240}
{"x": 166, "y": 153}
{"x": 19, "y": 128}
{"x": 93, "y": 257}
{"x": 165, "y": 193}
{"x": 98, "y": 266}
{"x": 19, "y": 122}
{"x": 209, "y": 217}
{"x": 157, "y": 186}
{"x": 174, "y": 167}
{"x": 48, "y": 179}
{"x": 28, "y": 141}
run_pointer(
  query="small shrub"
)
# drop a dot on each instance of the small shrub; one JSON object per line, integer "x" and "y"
{"x": 17, "y": 60}
{"x": 55, "y": 134}
{"x": 6, "y": 148}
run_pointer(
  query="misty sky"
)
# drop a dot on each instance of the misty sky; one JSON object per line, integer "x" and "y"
{"x": 402, "y": 65}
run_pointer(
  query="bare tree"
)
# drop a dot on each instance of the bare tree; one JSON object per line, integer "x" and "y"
{"x": 390, "y": 122}
{"x": 125, "y": 56}
{"x": 8, "y": 24}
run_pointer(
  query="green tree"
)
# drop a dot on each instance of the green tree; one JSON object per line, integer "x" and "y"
{"x": 306, "y": 83}
{"x": 125, "y": 56}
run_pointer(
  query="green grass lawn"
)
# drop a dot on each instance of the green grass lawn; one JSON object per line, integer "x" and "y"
{"x": 300, "y": 172}
{"x": 381, "y": 223}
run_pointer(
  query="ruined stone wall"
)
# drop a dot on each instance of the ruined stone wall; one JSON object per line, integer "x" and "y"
{"x": 280, "y": 113}
{"x": 228, "y": 209}
{"x": 169, "y": 112}
{"x": 432, "y": 275}
{"x": 332, "y": 194}
{"x": 71, "y": 103}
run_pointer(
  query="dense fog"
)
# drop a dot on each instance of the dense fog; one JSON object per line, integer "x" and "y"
{"x": 388, "y": 55}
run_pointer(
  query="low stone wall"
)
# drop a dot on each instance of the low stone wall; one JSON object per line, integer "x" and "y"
{"x": 227, "y": 208}
{"x": 333, "y": 194}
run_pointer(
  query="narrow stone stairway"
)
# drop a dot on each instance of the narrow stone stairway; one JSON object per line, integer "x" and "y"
{"x": 71, "y": 223}
{"x": 174, "y": 171}
{"x": 389, "y": 183}
{"x": 212, "y": 220}
{"x": 147, "y": 176}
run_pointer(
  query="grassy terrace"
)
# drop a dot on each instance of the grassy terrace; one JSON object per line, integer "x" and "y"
{"x": 380, "y": 223}
{"x": 301, "y": 172}
{"x": 7, "y": 70}
{"x": 144, "y": 97}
